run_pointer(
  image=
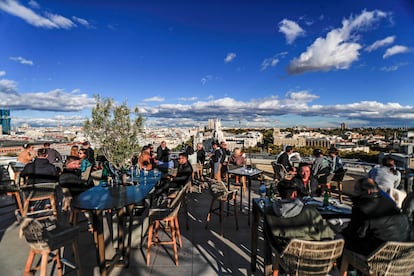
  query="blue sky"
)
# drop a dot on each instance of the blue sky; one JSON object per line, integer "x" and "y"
{"x": 249, "y": 63}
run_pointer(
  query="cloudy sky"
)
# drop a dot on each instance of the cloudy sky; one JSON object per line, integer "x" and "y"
{"x": 270, "y": 63}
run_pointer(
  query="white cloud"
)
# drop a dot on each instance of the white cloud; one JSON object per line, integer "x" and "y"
{"x": 339, "y": 49}
{"x": 291, "y": 30}
{"x": 269, "y": 62}
{"x": 55, "y": 100}
{"x": 397, "y": 49}
{"x": 190, "y": 99}
{"x": 206, "y": 79}
{"x": 380, "y": 43}
{"x": 230, "y": 57}
{"x": 22, "y": 60}
{"x": 34, "y": 4}
{"x": 82, "y": 21}
{"x": 2, "y": 73}
{"x": 52, "y": 120}
{"x": 46, "y": 20}
{"x": 272, "y": 61}
{"x": 154, "y": 99}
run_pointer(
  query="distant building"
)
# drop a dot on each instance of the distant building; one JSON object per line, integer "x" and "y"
{"x": 5, "y": 121}
{"x": 343, "y": 126}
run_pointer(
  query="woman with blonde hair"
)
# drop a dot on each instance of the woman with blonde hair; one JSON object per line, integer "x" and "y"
{"x": 27, "y": 155}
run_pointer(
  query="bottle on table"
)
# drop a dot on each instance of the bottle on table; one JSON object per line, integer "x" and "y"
{"x": 262, "y": 190}
{"x": 325, "y": 198}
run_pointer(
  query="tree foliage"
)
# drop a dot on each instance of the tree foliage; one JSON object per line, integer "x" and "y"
{"x": 114, "y": 129}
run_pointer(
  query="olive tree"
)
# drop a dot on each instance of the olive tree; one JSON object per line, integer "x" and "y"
{"x": 114, "y": 129}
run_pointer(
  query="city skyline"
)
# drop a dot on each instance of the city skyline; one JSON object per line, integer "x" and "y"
{"x": 273, "y": 64}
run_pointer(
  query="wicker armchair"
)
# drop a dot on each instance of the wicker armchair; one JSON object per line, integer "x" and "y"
{"x": 47, "y": 238}
{"x": 392, "y": 258}
{"x": 220, "y": 193}
{"x": 302, "y": 257}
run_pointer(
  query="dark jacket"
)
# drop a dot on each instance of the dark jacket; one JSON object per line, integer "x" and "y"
{"x": 90, "y": 153}
{"x": 201, "y": 156}
{"x": 375, "y": 220}
{"x": 71, "y": 179}
{"x": 184, "y": 173}
{"x": 309, "y": 189}
{"x": 408, "y": 209}
{"x": 288, "y": 219}
{"x": 40, "y": 171}
{"x": 284, "y": 160}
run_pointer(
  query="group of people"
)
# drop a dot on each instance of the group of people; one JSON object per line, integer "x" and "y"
{"x": 45, "y": 166}
{"x": 376, "y": 217}
{"x": 313, "y": 177}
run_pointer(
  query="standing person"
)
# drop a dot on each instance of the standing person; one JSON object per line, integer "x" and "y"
{"x": 375, "y": 219}
{"x": 40, "y": 170}
{"x": 52, "y": 155}
{"x": 26, "y": 156}
{"x": 215, "y": 159}
{"x": 200, "y": 158}
{"x": 224, "y": 162}
{"x": 288, "y": 218}
{"x": 386, "y": 176}
{"x": 237, "y": 160}
{"x": 321, "y": 169}
{"x": 89, "y": 152}
{"x": 283, "y": 159}
{"x": 163, "y": 152}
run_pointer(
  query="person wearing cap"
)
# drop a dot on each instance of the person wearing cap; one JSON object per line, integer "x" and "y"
{"x": 289, "y": 218}
{"x": 375, "y": 219}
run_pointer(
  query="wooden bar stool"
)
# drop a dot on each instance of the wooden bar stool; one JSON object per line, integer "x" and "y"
{"x": 35, "y": 193}
{"x": 46, "y": 238}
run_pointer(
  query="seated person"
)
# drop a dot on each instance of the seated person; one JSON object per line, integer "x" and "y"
{"x": 70, "y": 180}
{"x": 40, "y": 170}
{"x": 375, "y": 219}
{"x": 289, "y": 218}
{"x": 306, "y": 184}
{"x": 184, "y": 173}
{"x": 284, "y": 160}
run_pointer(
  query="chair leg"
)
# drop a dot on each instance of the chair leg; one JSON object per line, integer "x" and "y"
{"x": 18, "y": 201}
{"x": 58, "y": 263}
{"x": 29, "y": 263}
{"x": 75, "y": 249}
{"x": 174, "y": 241}
{"x": 149, "y": 243}
{"x": 43, "y": 266}
{"x": 235, "y": 212}
{"x": 177, "y": 227}
{"x": 221, "y": 217}
{"x": 344, "y": 267}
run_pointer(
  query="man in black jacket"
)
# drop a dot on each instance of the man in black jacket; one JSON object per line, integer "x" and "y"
{"x": 375, "y": 220}
{"x": 184, "y": 172}
{"x": 40, "y": 170}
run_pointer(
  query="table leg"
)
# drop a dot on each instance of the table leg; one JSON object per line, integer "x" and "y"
{"x": 121, "y": 234}
{"x": 98, "y": 232}
{"x": 249, "y": 199}
{"x": 254, "y": 238}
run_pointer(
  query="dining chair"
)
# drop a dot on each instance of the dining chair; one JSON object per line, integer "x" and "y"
{"x": 36, "y": 198}
{"x": 302, "y": 257}
{"x": 46, "y": 238}
{"x": 9, "y": 187}
{"x": 392, "y": 258}
{"x": 221, "y": 194}
{"x": 166, "y": 219}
